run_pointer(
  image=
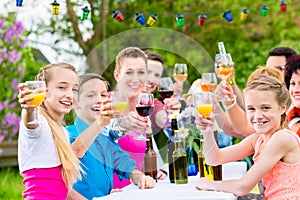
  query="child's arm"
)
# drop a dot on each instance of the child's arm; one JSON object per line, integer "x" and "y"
{"x": 281, "y": 146}
{"x": 27, "y": 109}
{"x": 215, "y": 156}
{"x": 87, "y": 137}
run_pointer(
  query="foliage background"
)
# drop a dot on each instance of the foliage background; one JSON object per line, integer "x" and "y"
{"x": 16, "y": 65}
{"x": 248, "y": 41}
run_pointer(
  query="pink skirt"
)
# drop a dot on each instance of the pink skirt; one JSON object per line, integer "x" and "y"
{"x": 44, "y": 183}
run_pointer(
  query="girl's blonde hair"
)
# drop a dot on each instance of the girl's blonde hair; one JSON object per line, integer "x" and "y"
{"x": 129, "y": 52}
{"x": 270, "y": 71}
{"x": 71, "y": 169}
{"x": 268, "y": 83}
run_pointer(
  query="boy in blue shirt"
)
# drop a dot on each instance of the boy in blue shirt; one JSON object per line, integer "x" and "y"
{"x": 93, "y": 144}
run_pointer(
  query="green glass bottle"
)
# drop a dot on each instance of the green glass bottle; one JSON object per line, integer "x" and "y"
{"x": 171, "y": 147}
{"x": 179, "y": 161}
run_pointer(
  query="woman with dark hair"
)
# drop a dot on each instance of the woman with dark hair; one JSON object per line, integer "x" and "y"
{"x": 292, "y": 82}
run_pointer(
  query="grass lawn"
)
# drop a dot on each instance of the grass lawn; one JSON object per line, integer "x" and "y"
{"x": 10, "y": 184}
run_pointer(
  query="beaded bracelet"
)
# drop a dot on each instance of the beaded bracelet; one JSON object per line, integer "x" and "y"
{"x": 230, "y": 106}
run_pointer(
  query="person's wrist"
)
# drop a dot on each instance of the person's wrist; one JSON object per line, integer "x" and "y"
{"x": 216, "y": 186}
{"x": 230, "y": 105}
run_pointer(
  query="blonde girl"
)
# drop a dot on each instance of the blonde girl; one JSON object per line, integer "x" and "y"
{"x": 46, "y": 160}
{"x": 276, "y": 149}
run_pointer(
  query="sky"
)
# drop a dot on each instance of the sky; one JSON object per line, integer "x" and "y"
{"x": 39, "y": 11}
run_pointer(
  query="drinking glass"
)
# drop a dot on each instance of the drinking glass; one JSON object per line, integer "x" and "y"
{"x": 38, "y": 94}
{"x": 224, "y": 68}
{"x": 203, "y": 102}
{"x": 166, "y": 87}
{"x": 119, "y": 102}
{"x": 144, "y": 107}
{"x": 180, "y": 72}
{"x": 209, "y": 82}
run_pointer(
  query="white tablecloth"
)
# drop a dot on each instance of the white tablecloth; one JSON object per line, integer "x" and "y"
{"x": 164, "y": 190}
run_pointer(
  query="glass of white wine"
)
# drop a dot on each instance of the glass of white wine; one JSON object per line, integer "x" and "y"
{"x": 208, "y": 82}
{"x": 180, "y": 72}
{"x": 224, "y": 67}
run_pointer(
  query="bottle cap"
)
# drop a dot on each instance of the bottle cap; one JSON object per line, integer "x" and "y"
{"x": 174, "y": 124}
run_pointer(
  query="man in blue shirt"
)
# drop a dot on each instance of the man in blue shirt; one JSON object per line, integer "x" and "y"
{"x": 92, "y": 142}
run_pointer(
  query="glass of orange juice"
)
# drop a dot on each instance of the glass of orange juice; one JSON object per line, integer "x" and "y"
{"x": 119, "y": 102}
{"x": 203, "y": 102}
{"x": 38, "y": 94}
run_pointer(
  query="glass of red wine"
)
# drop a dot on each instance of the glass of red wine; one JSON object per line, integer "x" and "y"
{"x": 144, "y": 107}
{"x": 166, "y": 87}
{"x": 166, "y": 90}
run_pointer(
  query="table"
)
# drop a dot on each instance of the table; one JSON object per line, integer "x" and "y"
{"x": 164, "y": 190}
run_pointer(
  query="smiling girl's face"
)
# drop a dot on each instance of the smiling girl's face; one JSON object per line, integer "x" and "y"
{"x": 263, "y": 111}
{"x": 61, "y": 92}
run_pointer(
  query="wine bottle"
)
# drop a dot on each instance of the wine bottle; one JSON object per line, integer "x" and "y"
{"x": 171, "y": 147}
{"x": 217, "y": 170}
{"x": 221, "y": 48}
{"x": 179, "y": 161}
{"x": 150, "y": 164}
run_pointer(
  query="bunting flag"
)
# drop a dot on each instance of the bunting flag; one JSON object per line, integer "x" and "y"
{"x": 178, "y": 17}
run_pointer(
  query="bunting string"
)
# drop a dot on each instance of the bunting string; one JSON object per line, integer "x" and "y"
{"x": 178, "y": 16}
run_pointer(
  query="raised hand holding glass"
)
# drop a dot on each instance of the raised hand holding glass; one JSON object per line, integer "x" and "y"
{"x": 166, "y": 87}
{"x": 203, "y": 102}
{"x": 144, "y": 107}
{"x": 119, "y": 103}
{"x": 38, "y": 94}
{"x": 224, "y": 66}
